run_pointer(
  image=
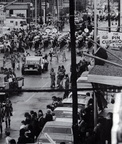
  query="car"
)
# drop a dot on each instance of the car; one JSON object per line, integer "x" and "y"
{"x": 32, "y": 63}
{"x": 82, "y": 95}
{"x": 64, "y": 114}
{"x": 82, "y": 82}
{"x": 82, "y": 102}
{"x": 58, "y": 132}
{"x": 11, "y": 83}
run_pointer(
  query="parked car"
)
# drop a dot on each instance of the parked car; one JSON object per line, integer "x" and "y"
{"x": 57, "y": 131}
{"x": 82, "y": 103}
{"x": 82, "y": 82}
{"x": 64, "y": 114}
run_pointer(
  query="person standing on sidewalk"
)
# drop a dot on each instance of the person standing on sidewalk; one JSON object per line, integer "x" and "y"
{"x": 13, "y": 62}
{"x": 66, "y": 86}
{"x": 52, "y": 76}
{"x": 4, "y": 61}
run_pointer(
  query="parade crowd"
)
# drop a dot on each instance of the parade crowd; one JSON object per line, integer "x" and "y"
{"x": 16, "y": 46}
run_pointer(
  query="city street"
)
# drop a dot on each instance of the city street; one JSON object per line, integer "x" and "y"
{"x": 25, "y": 102}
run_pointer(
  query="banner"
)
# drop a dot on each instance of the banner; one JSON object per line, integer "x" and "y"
{"x": 113, "y": 39}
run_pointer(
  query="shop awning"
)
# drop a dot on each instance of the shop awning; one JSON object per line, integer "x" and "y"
{"x": 108, "y": 75}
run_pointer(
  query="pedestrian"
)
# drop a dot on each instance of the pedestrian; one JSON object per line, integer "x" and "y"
{"x": 58, "y": 77}
{"x": 4, "y": 61}
{"x": 12, "y": 141}
{"x": 40, "y": 120}
{"x": 48, "y": 116}
{"x": 13, "y": 62}
{"x": 51, "y": 55}
{"x": 27, "y": 118}
{"x": 8, "y": 138}
{"x": 1, "y": 118}
{"x": 8, "y": 112}
{"x": 63, "y": 56}
{"x": 23, "y": 126}
{"x": 46, "y": 63}
{"x": 18, "y": 64}
{"x": 66, "y": 86}
{"x": 52, "y": 76}
{"x": 22, "y": 138}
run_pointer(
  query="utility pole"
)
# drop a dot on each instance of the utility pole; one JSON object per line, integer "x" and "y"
{"x": 109, "y": 17}
{"x": 119, "y": 16}
{"x": 57, "y": 9}
{"x": 45, "y": 11}
{"x": 95, "y": 49}
{"x": 73, "y": 71}
{"x": 35, "y": 11}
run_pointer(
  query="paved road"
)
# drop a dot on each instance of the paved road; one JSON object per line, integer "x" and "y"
{"x": 25, "y": 102}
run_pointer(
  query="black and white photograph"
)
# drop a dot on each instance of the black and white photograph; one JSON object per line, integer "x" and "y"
{"x": 60, "y": 71}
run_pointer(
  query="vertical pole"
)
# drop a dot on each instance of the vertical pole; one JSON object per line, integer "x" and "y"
{"x": 40, "y": 10}
{"x": 109, "y": 17}
{"x": 57, "y": 3}
{"x": 35, "y": 11}
{"x": 95, "y": 48}
{"x": 73, "y": 71}
{"x": 119, "y": 16}
{"x": 45, "y": 11}
{"x": 75, "y": 6}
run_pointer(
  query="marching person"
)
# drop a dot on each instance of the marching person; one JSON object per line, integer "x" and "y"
{"x": 64, "y": 56}
{"x": 52, "y": 76}
{"x": 51, "y": 55}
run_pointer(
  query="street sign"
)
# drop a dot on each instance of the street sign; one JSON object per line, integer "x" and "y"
{"x": 113, "y": 39}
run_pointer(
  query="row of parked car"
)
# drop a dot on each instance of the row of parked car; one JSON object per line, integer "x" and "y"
{"x": 60, "y": 130}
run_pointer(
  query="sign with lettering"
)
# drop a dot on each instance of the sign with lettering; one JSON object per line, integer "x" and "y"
{"x": 113, "y": 39}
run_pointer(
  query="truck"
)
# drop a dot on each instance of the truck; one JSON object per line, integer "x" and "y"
{"x": 5, "y": 84}
{"x": 32, "y": 63}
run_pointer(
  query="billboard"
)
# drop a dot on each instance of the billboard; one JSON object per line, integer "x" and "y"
{"x": 113, "y": 39}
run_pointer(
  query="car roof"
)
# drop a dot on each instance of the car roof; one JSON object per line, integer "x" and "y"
{"x": 33, "y": 57}
{"x": 63, "y": 108}
{"x": 69, "y": 120}
{"x": 58, "y": 123}
{"x": 84, "y": 74}
{"x": 80, "y": 101}
{"x": 82, "y": 79}
{"x": 80, "y": 92}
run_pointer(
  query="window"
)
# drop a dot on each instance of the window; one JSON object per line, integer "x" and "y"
{"x": 11, "y": 21}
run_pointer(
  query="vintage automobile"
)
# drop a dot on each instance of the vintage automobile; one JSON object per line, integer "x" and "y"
{"x": 64, "y": 114}
{"x": 57, "y": 132}
{"x": 13, "y": 84}
{"x": 82, "y": 102}
{"x": 32, "y": 63}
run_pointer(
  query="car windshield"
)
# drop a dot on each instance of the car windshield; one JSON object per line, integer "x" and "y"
{"x": 81, "y": 106}
{"x": 80, "y": 96}
{"x": 63, "y": 114}
{"x": 58, "y": 130}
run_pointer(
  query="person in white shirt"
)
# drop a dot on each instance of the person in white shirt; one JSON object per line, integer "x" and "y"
{"x": 8, "y": 138}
